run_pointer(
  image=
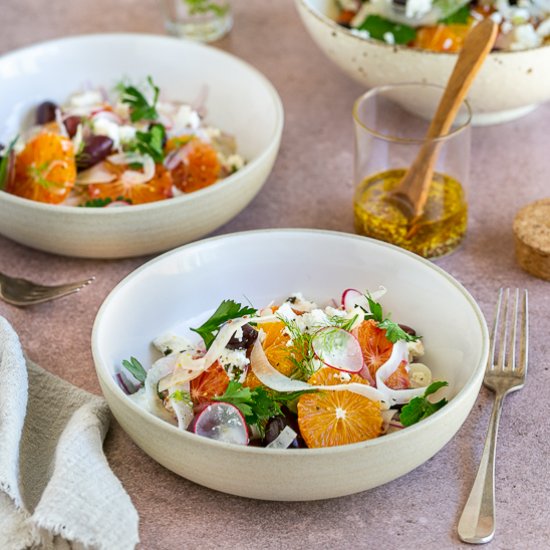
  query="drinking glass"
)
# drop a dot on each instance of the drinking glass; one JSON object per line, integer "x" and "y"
{"x": 391, "y": 123}
{"x": 202, "y": 20}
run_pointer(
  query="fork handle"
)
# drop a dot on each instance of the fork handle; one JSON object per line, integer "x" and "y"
{"x": 477, "y": 522}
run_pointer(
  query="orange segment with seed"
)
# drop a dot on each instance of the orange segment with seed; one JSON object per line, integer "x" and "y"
{"x": 330, "y": 418}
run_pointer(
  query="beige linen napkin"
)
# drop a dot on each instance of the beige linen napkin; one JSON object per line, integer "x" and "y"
{"x": 56, "y": 488}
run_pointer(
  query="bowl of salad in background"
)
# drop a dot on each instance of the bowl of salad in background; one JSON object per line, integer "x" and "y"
{"x": 120, "y": 145}
{"x": 374, "y": 50}
{"x": 278, "y": 264}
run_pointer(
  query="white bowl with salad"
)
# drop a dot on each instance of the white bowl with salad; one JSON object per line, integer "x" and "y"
{"x": 321, "y": 364}
{"x": 120, "y": 145}
{"x": 380, "y": 42}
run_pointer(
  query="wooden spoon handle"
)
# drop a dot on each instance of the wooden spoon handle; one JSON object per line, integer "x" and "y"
{"x": 414, "y": 187}
{"x": 477, "y": 45}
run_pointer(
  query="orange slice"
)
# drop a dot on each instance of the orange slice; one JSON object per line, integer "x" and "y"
{"x": 331, "y": 418}
{"x": 211, "y": 383}
{"x": 374, "y": 344}
{"x": 276, "y": 351}
{"x": 156, "y": 189}
{"x": 200, "y": 168}
{"x": 45, "y": 170}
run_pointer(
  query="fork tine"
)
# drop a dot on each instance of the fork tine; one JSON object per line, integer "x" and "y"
{"x": 511, "y": 353}
{"x": 495, "y": 331}
{"x": 524, "y": 335}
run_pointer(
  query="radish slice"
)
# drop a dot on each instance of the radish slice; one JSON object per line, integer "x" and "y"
{"x": 396, "y": 397}
{"x": 338, "y": 348}
{"x": 222, "y": 422}
{"x": 284, "y": 439}
{"x": 420, "y": 375}
{"x": 272, "y": 378}
{"x": 352, "y": 297}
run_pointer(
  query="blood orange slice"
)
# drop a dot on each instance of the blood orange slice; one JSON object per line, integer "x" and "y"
{"x": 374, "y": 344}
{"x": 331, "y": 418}
{"x": 211, "y": 383}
{"x": 399, "y": 379}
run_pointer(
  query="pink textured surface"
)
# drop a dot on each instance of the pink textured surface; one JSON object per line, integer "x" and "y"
{"x": 311, "y": 187}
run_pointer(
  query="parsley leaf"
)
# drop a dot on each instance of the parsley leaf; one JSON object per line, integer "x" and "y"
{"x": 135, "y": 368}
{"x": 100, "y": 203}
{"x": 377, "y": 27}
{"x": 459, "y": 17}
{"x": 4, "y": 163}
{"x": 151, "y": 142}
{"x": 419, "y": 407}
{"x": 393, "y": 331}
{"x": 140, "y": 109}
{"x": 226, "y": 311}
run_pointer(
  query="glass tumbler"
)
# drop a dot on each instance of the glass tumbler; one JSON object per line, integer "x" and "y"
{"x": 202, "y": 20}
{"x": 391, "y": 123}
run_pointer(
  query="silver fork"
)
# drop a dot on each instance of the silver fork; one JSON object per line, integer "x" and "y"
{"x": 503, "y": 375}
{"x": 21, "y": 292}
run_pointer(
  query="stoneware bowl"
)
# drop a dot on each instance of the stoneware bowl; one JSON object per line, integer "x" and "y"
{"x": 174, "y": 290}
{"x": 509, "y": 85}
{"x": 239, "y": 101}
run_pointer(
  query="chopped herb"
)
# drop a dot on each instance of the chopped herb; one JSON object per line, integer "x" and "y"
{"x": 39, "y": 173}
{"x": 343, "y": 322}
{"x": 135, "y": 368}
{"x": 393, "y": 331}
{"x": 257, "y": 405}
{"x": 226, "y": 311}
{"x": 151, "y": 142}
{"x": 204, "y": 6}
{"x": 459, "y": 17}
{"x": 300, "y": 352}
{"x": 135, "y": 166}
{"x": 140, "y": 109}
{"x": 4, "y": 163}
{"x": 99, "y": 203}
{"x": 377, "y": 27}
{"x": 420, "y": 407}
{"x": 180, "y": 395}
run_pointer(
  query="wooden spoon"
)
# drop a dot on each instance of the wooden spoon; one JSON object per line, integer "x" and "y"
{"x": 412, "y": 192}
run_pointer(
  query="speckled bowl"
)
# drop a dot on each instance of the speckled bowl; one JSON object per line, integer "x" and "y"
{"x": 174, "y": 290}
{"x": 240, "y": 101}
{"x": 509, "y": 85}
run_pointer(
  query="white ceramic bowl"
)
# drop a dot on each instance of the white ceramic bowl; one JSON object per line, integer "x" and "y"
{"x": 240, "y": 101}
{"x": 170, "y": 291}
{"x": 509, "y": 85}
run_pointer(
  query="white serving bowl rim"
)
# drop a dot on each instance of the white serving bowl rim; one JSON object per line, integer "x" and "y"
{"x": 472, "y": 382}
{"x": 333, "y": 24}
{"x": 180, "y": 199}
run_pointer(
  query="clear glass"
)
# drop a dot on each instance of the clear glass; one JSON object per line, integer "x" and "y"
{"x": 391, "y": 123}
{"x": 202, "y": 20}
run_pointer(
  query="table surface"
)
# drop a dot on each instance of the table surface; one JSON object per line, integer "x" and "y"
{"x": 509, "y": 169}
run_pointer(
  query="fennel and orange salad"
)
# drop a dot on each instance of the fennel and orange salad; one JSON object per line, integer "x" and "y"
{"x": 289, "y": 375}
{"x": 129, "y": 146}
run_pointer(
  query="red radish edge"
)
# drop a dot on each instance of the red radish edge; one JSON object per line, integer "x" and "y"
{"x": 353, "y": 369}
{"x": 345, "y": 295}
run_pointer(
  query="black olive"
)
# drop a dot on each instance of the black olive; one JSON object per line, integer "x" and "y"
{"x": 45, "y": 112}
{"x": 96, "y": 149}
{"x": 248, "y": 338}
{"x": 408, "y": 329}
{"x": 71, "y": 123}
